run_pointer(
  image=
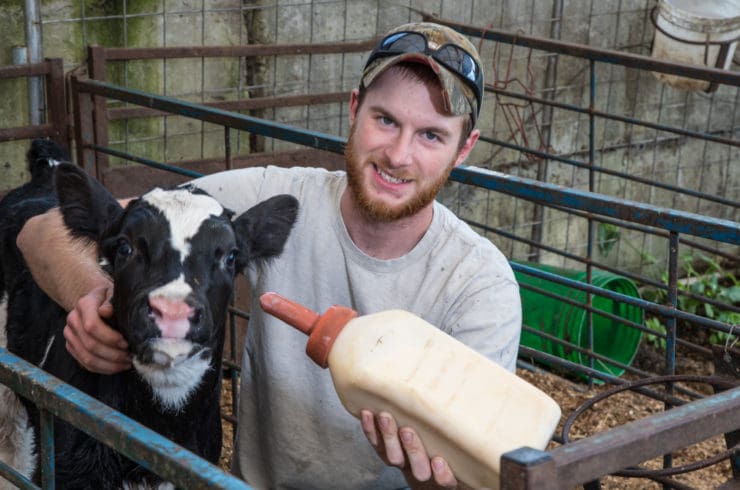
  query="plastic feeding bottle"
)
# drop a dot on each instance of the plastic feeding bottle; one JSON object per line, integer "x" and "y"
{"x": 465, "y": 407}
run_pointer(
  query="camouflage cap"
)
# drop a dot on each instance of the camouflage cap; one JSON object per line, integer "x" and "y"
{"x": 462, "y": 94}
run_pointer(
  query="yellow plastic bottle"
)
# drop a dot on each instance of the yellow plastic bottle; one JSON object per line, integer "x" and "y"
{"x": 465, "y": 407}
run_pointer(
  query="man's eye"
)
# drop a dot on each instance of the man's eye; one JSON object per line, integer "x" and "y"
{"x": 386, "y": 121}
{"x": 431, "y": 136}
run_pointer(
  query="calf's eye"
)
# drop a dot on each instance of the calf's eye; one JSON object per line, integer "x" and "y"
{"x": 230, "y": 259}
{"x": 123, "y": 248}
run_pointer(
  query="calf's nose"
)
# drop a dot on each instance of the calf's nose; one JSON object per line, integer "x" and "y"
{"x": 173, "y": 317}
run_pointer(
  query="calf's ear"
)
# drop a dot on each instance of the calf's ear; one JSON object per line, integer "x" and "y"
{"x": 263, "y": 229}
{"x": 87, "y": 207}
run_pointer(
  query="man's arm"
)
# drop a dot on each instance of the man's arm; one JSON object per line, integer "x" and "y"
{"x": 67, "y": 270}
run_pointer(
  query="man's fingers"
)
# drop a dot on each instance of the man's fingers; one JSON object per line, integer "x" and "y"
{"x": 96, "y": 346}
{"x": 112, "y": 360}
{"x": 97, "y": 334}
{"x": 105, "y": 310}
{"x": 102, "y": 298}
{"x": 389, "y": 434}
{"x": 367, "y": 420}
{"x": 87, "y": 320}
{"x": 416, "y": 453}
{"x": 405, "y": 449}
{"x": 443, "y": 475}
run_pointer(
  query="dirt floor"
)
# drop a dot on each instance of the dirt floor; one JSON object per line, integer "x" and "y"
{"x": 618, "y": 410}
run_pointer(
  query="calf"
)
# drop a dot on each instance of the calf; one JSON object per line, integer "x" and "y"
{"x": 16, "y": 441}
{"x": 42, "y": 158}
{"x": 172, "y": 255}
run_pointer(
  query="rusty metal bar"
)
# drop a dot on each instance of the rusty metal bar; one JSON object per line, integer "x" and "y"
{"x": 666, "y": 311}
{"x": 227, "y": 149}
{"x": 238, "y": 105}
{"x": 145, "y": 161}
{"x": 678, "y": 221}
{"x": 672, "y": 302}
{"x": 48, "y": 463}
{"x": 551, "y": 359}
{"x": 55, "y": 102}
{"x": 16, "y": 478}
{"x": 596, "y": 54}
{"x": 84, "y": 131}
{"x": 241, "y": 122}
{"x": 19, "y": 71}
{"x": 26, "y": 132}
{"x": 671, "y": 324}
{"x": 643, "y": 229}
{"x": 593, "y": 356}
{"x": 591, "y": 230}
{"x": 615, "y": 318}
{"x": 96, "y": 70}
{"x": 616, "y": 117}
{"x": 608, "y": 171}
{"x": 119, "y": 54}
{"x": 642, "y": 279}
{"x": 234, "y": 371}
{"x": 56, "y": 128}
{"x": 574, "y": 463}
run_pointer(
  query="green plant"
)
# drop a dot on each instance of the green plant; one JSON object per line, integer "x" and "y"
{"x": 656, "y": 339}
{"x": 607, "y": 237}
{"x": 705, "y": 277}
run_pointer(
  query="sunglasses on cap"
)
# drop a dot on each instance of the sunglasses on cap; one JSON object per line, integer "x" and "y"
{"x": 453, "y": 57}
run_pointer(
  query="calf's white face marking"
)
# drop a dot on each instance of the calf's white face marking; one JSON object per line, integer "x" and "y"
{"x": 185, "y": 212}
{"x": 173, "y": 290}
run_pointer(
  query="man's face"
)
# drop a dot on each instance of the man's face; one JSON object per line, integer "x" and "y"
{"x": 402, "y": 146}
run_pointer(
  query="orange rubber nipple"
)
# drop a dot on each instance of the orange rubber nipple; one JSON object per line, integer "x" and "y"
{"x": 322, "y": 330}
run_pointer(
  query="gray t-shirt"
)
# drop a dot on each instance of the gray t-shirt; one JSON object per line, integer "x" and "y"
{"x": 293, "y": 431}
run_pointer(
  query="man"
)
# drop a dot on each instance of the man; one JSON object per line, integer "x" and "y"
{"x": 372, "y": 239}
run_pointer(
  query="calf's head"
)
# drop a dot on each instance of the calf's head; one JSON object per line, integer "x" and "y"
{"x": 172, "y": 255}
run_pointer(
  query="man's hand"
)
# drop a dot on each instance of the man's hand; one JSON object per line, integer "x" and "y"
{"x": 403, "y": 448}
{"x": 95, "y": 345}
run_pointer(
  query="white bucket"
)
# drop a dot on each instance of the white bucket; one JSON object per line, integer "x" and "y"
{"x": 697, "y": 33}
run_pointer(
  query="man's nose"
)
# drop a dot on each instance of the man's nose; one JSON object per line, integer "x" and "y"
{"x": 400, "y": 150}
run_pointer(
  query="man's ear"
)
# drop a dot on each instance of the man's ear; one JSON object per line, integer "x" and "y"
{"x": 467, "y": 147}
{"x": 354, "y": 103}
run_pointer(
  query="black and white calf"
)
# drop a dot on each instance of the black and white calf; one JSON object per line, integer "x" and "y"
{"x": 32, "y": 197}
{"x": 42, "y": 158}
{"x": 172, "y": 255}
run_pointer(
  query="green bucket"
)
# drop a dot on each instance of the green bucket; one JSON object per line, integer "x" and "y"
{"x": 611, "y": 338}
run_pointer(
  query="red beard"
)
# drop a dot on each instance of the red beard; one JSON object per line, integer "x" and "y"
{"x": 380, "y": 211}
